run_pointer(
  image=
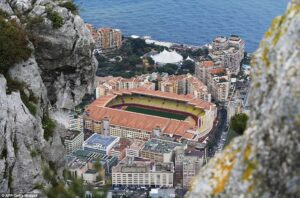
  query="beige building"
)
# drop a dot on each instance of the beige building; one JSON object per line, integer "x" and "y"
{"x": 229, "y": 52}
{"x": 110, "y": 38}
{"x": 135, "y": 148}
{"x": 105, "y": 85}
{"x": 184, "y": 84}
{"x": 216, "y": 77}
{"x": 238, "y": 43}
{"x": 219, "y": 84}
{"x": 106, "y": 38}
{"x": 143, "y": 173}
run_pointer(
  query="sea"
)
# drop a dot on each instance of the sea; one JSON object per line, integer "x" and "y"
{"x": 193, "y": 22}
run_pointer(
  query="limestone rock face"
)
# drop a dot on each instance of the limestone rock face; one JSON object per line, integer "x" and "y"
{"x": 265, "y": 161}
{"x": 58, "y": 74}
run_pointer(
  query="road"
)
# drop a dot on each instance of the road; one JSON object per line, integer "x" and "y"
{"x": 217, "y": 137}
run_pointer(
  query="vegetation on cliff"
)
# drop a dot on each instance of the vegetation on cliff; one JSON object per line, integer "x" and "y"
{"x": 238, "y": 123}
{"x": 13, "y": 43}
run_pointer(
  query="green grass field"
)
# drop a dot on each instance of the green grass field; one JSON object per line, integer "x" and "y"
{"x": 156, "y": 113}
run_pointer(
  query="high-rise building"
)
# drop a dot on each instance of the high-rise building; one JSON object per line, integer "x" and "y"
{"x": 228, "y": 51}
{"x": 75, "y": 121}
{"x": 110, "y": 38}
{"x": 219, "y": 84}
{"x": 216, "y": 77}
{"x": 106, "y": 38}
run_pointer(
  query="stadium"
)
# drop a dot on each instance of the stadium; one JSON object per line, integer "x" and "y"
{"x": 141, "y": 113}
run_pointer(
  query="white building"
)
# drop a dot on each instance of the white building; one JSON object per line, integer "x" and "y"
{"x": 75, "y": 121}
{"x": 100, "y": 143}
{"x": 162, "y": 193}
{"x": 142, "y": 172}
{"x": 73, "y": 140}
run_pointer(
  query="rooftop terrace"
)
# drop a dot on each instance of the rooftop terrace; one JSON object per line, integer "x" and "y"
{"x": 160, "y": 146}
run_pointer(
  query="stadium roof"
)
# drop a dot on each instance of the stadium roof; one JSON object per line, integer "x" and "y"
{"x": 171, "y": 96}
{"x": 140, "y": 121}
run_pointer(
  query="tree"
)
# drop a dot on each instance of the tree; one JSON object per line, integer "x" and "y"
{"x": 238, "y": 123}
{"x": 168, "y": 68}
{"x": 188, "y": 65}
{"x": 150, "y": 61}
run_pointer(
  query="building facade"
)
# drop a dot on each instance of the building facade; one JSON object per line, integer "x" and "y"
{"x": 135, "y": 148}
{"x": 160, "y": 150}
{"x": 106, "y": 38}
{"x": 143, "y": 173}
{"x": 184, "y": 84}
{"x": 73, "y": 140}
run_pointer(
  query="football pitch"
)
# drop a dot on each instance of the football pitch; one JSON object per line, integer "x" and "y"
{"x": 156, "y": 113}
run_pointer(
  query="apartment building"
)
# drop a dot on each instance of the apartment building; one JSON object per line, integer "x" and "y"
{"x": 106, "y": 38}
{"x": 216, "y": 77}
{"x": 229, "y": 52}
{"x": 110, "y": 38}
{"x": 73, "y": 140}
{"x": 142, "y": 172}
{"x": 219, "y": 84}
{"x": 105, "y": 85}
{"x": 75, "y": 121}
{"x": 237, "y": 42}
{"x": 184, "y": 84}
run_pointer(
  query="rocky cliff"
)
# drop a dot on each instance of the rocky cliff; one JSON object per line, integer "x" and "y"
{"x": 265, "y": 162}
{"x": 59, "y": 72}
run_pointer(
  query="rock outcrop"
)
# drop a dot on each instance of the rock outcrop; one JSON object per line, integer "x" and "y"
{"x": 59, "y": 73}
{"x": 265, "y": 161}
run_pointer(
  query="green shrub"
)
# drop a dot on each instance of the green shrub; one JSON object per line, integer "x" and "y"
{"x": 30, "y": 105}
{"x": 13, "y": 44}
{"x": 57, "y": 20}
{"x": 34, "y": 22}
{"x": 48, "y": 126}
{"x": 70, "y": 6}
{"x": 13, "y": 85}
{"x": 38, "y": 186}
{"x": 238, "y": 123}
{"x": 34, "y": 153}
{"x": 30, "y": 102}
